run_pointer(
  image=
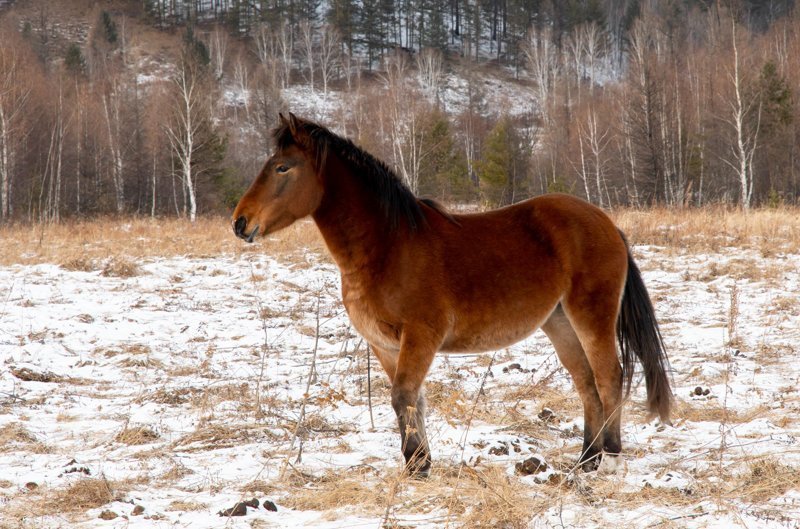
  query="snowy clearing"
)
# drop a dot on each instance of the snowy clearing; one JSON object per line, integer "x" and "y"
{"x": 160, "y": 394}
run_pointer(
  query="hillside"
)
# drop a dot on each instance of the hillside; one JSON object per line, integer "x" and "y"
{"x": 683, "y": 107}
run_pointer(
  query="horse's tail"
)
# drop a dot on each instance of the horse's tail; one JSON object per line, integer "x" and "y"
{"x": 638, "y": 333}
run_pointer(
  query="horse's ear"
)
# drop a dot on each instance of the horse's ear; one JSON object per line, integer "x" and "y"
{"x": 294, "y": 123}
{"x": 289, "y": 122}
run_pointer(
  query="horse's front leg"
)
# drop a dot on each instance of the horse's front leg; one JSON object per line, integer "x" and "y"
{"x": 418, "y": 345}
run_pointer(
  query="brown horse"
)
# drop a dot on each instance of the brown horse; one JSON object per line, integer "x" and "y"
{"x": 417, "y": 280}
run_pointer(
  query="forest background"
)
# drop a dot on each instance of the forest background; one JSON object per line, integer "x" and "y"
{"x": 165, "y": 107}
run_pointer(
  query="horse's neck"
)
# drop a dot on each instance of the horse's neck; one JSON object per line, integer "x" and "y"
{"x": 355, "y": 229}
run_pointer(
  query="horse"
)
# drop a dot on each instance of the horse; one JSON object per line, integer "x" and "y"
{"x": 417, "y": 280}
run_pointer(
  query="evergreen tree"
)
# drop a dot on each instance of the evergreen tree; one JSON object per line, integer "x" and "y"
{"x": 495, "y": 166}
{"x": 775, "y": 157}
{"x": 74, "y": 61}
{"x": 372, "y": 30}
{"x": 443, "y": 171}
{"x": 195, "y": 47}
{"x": 109, "y": 28}
{"x": 342, "y": 16}
{"x": 776, "y": 97}
{"x": 435, "y": 33}
{"x": 307, "y": 10}
{"x": 502, "y": 171}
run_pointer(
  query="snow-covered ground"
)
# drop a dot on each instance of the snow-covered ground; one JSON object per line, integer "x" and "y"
{"x": 188, "y": 386}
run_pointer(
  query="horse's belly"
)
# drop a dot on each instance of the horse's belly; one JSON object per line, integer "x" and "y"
{"x": 488, "y": 337}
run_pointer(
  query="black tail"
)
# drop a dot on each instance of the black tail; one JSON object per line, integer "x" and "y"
{"x": 638, "y": 333}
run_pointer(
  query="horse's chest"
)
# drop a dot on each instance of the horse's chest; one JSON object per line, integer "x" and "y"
{"x": 369, "y": 324}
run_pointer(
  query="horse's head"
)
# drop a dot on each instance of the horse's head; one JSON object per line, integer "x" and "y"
{"x": 287, "y": 188}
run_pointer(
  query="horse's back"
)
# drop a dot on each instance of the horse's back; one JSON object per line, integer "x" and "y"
{"x": 554, "y": 227}
{"x": 502, "y": 272}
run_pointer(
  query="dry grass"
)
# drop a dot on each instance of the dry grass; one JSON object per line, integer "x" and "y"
{"x": 218, "y": 436}
{"x": 137, "y": 435}
{"x": 337, "y": 490}
{"x": 767, "y": 478}
{"x": 186, "y": 506}
{"x": 484, "y": 497}
{"x": 116, "y": 246}
{"x": 708, "y": 229}
{"x": 15, "y": 435}
{"x": 714, "y": 411}
{"x": 87, "y": 493}
{"x": 120, "y": 267}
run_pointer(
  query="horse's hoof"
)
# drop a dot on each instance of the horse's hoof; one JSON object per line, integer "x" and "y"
{"x": 419, "y": 470}
{"x": 610, "y": 464}
{"x": 590, "y": 465}
{"x": 590, "y": 460}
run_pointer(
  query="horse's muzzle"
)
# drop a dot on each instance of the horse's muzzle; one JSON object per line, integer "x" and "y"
{"x": 240, "y": 227}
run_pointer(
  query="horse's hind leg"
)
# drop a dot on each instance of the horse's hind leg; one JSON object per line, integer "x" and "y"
{"x": 570, "y": 351}
{"x": 593, "y": 319}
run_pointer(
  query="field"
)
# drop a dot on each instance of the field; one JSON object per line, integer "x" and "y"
{"x": 155, "y": 373}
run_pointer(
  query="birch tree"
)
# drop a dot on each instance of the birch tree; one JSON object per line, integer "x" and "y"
{"x": 307, "y": 50}
{"x": 405, "y": 130}
{"x": 593, "y": 143}
{"x": 112, "y": 102}
{"x": 218, "y": 48}
{"x": 429, "y": 66}
{"x": 274, "y": 49}
{"x": 744, "y": 118}
{"x": 541, "y": 58}
{"x": 50, "y": 191}
{"x": 14, "y": 94}
{"x": 183, "y": 131}
{"x": 329, "y": 54}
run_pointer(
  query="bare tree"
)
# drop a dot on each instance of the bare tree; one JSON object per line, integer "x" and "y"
{"x": 596, "y": 141}
{"x": 284, "y": 39}
{"x": 14, "y": 94}
{"x": 184, "y": 129}
{"x": 112, "y": 103}
{"x": 541, "y": 57}
{"x": 593, "y": 41}
{"x": 241, "y": 76}
{"x": 743, "y": 147}
{"x": 575, "y": 49}
{"x": 329, "y": 54}
{"x": 218, "y": 46}
{"x": 50, "y": 192}
{"x": 307, "y": 50}
{"x": 408, "y": 143}
{"x": 274, "y": 49}
{"x": 429, "y": 66}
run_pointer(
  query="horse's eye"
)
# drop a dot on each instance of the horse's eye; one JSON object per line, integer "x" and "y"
{"x": 282, "y": 169}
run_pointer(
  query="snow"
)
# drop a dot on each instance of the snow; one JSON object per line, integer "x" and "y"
{"x": 213, "y": 355}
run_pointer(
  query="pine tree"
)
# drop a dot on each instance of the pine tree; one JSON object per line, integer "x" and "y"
{"x": 109, "y": 28}
{"x": 74, "y": 60}
{"x": 372, "y": 30}
{"x": 443, "y": 171}
{"x": 435, "y": 33}
{"x": 495, "y": 166}
{"x": 342, "y": 16}
{"x": 775, "y": 157}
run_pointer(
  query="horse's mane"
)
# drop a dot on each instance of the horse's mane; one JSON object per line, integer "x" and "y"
{"x": 395, "y": 198}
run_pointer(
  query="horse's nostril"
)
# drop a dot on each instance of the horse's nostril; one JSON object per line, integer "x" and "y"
{"x": 239, "y": 226}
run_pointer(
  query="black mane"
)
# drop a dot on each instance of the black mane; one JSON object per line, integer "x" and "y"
{"x": 395, "y": 198}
